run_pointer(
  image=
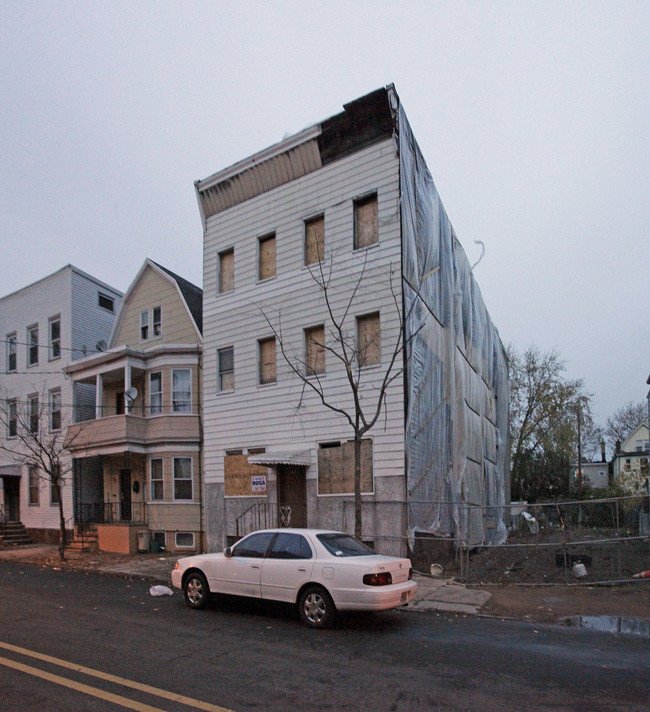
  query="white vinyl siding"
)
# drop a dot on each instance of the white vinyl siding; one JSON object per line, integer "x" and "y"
{"x": 72, "y": 296}
{"x": 330, "y": 191}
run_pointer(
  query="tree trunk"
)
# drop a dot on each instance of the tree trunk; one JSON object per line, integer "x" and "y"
{"x": 357, "y": 487}
{"x": 62, "y": 534}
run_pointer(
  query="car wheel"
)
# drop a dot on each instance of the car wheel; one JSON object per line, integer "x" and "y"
{"x": 316, "y": 607}
{"x": 196, "y": 590}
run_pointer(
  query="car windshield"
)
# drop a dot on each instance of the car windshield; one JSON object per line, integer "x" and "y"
{"x": 344, "y": 545}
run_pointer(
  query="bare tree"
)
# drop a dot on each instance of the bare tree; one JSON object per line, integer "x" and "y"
{"x": 623, "y": 421}
{"x": 352, "y": 351}
{"x": 35, "y": 438}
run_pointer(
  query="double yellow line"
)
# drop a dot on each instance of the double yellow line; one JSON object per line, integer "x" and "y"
{"x": 96, "y": 691}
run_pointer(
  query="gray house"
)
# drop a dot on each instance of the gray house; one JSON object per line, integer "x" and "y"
{"x": 46, "y": 326}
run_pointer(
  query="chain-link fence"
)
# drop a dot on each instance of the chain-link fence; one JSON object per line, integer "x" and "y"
{"x": 601, "y": 540}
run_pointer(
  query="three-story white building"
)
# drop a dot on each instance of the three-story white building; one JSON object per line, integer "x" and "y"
{"x": 335, "y": 239}
{"x": 45, "y": 326}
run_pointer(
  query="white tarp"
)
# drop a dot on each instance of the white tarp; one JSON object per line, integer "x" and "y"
{"x": 457, "y": 379}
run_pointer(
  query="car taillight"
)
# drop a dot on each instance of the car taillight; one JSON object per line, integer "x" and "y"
{"x": 381, "y": 579}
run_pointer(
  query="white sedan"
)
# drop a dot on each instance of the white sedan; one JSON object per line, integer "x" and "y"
{"x": 319, "y": 571}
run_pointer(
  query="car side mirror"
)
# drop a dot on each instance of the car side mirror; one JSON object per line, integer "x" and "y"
{"x": 227, "y": 551}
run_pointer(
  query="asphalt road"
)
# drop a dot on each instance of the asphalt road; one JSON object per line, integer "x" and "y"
{"x": 78, "y": 641}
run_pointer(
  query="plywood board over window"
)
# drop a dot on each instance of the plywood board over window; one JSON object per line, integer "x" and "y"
{"x": 238, "y": 476}
{"x": 226, "y": 270}
{"x": 336, "y": 468}
{"x": 314, "y": 240}
{"x": 366, "y": 223}
{"x": 315, "y": 350}
{"x": 266, "y": 257}
{"x": 369, "y": 339}
{"x": 267, "y": 360}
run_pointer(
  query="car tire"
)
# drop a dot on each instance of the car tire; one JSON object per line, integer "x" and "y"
{"x": 196, "y": 590}
{"x": 316, "y": 607}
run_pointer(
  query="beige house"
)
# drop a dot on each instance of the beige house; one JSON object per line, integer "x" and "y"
{"x": 630, "y": 463}
{"x": 136, "y": 436}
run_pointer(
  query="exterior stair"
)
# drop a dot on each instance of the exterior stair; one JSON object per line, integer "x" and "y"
{"x": 85, "y": 538}
{"x": 14, "y": 534}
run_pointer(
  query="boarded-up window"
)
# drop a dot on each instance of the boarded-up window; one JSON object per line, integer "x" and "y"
{"x": 266, "y": 257}
{"x": 226, "y": 365}
{"x": 267, "y": 360}
{"x": 336, "y": 468}
{"x": 315, "y": 350}
{"x": 314, "y": 240}
{"x": 368, "y": 339}
{"x": 239, "y": 475}
{"x": 366, "y": 230}
{"x": 226, "y": 270}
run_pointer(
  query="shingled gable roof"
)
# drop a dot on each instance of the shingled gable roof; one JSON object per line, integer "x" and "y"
{"x": 192, "y": 294}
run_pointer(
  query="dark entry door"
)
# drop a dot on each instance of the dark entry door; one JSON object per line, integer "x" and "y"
{"x": 125, "y": 495}
{"x": 292, "y": 496}
{"x": 12, "y": 498}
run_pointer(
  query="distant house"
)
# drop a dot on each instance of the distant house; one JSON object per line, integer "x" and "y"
{"x": 594, "y": 474}
{"x": 348, "y": 197}
{"x": 46, "y": 326}
{"x": 136, "y": 439}
{"x": 630, "y": 463}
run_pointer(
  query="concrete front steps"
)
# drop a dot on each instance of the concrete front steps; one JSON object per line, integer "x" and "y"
{"x": 14, "y": 534}
{"x": 85, "y": 539}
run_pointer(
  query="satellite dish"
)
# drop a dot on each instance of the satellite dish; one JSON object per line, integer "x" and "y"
{"x": 101, "y": 345}
{"x": 132, "y": 393}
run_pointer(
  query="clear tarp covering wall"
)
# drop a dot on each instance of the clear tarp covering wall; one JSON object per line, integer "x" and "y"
{"x": 457, "y": 377}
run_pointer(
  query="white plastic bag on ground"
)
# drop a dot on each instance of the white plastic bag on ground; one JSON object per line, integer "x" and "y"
{"x": 160, "y": 591}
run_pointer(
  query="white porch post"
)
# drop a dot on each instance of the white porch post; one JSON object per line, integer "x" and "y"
{"x": 99, "y": 399}
{"x": 127, "y": 386}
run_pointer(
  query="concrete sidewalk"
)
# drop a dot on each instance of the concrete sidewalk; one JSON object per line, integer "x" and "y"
{"x": 433, "y": 594}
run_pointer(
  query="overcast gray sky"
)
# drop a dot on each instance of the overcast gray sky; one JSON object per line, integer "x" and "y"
{"x": 533, "y": 117}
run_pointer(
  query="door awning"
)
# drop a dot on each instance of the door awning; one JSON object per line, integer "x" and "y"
{"x": 10, "y": 470}
{"x": 299, "y": 458}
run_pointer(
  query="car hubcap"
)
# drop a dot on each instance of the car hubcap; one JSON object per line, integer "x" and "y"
{"x": 194, "y": 591}
{"x": 315, "y": 608}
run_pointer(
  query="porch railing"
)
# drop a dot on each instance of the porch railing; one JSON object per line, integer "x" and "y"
{"x": 262, "y": 515}
{"x": 111, "y": 513}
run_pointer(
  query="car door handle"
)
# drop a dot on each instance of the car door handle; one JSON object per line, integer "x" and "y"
{"x": 254, "y": 566}
{"x": 302, "y": 570}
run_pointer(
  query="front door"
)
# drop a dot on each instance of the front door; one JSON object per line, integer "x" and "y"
{"x": 12, "y": 498}
{"x": 125, "y": 495}
{"x": 292, "y": 496}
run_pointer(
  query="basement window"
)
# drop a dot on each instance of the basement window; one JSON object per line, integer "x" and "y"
{"x": 184, "y": 540}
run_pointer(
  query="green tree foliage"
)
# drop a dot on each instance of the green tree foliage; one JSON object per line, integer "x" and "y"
{"x": 545, "y": 408}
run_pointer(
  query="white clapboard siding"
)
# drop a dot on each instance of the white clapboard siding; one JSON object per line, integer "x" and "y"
{"x": 267, "y": 416}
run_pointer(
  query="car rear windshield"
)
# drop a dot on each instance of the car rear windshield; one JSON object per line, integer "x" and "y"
{"x": 344, "y": 545}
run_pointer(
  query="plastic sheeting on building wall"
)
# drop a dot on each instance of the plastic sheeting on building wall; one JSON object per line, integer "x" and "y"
{"x": 457, "y": 376}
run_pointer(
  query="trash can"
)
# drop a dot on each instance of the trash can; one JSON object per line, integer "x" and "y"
{"x": 154, "y": 546}
{"x": 144, "y": 537}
